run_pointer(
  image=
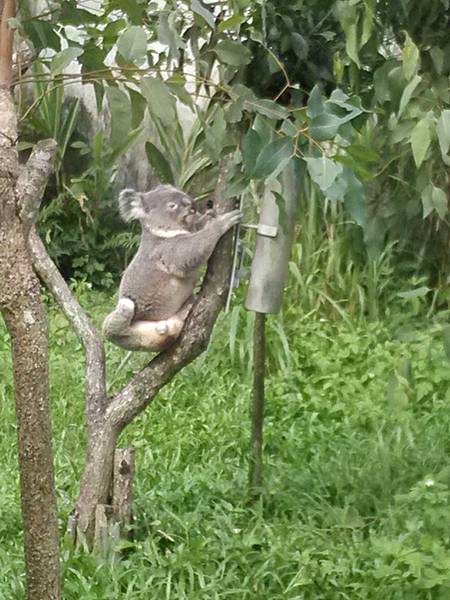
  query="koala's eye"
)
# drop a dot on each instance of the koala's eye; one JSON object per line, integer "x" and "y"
{"x": 172, "y": 206}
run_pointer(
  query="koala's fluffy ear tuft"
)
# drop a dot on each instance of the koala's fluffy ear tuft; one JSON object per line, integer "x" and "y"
{"x": 130, "y": 205}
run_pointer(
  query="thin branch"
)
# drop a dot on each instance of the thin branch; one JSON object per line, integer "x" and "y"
{"x": 6, "y": 43}
{"x": 33, "y": 180}
{"x": 90, "y": 338}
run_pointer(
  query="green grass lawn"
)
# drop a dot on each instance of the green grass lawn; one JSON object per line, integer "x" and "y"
{"x": 357, "y": 473}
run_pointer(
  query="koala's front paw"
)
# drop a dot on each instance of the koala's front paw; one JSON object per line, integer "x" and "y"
{"x": 230, "y": 219}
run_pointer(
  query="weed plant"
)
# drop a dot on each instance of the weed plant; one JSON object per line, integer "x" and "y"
{"x": 357, "y": 479}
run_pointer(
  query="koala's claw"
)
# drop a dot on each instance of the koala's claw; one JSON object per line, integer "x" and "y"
{"x": 231, "y": 218}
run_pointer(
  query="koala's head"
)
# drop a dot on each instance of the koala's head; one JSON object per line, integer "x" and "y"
{"x": 163, "y": 209}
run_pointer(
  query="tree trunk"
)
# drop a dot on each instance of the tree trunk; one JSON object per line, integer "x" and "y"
{"x": 96, "y": 483}
{"x": 27, "y": 325}
{"x": 21, "y": 306}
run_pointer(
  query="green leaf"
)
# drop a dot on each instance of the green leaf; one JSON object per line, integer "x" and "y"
{"x": 251, "y": 148}
{"x": 132, "y": 45}
{"x": 273, "y": 157}
{"x": 324, "y": 127}
{"x": 315, "y": 103}
{"x": 299, "y": 45}
{"x": 160, "y": 101}
{"x": 61, "y": 60}
{"x": 268, "y": 108}
{"x": 138, "y": 106}
{"x": 363, "y": 153}
{"x": 230, "y": 23}
{"x": 348, "y": 16}
{"x": 410, "y": 58}
{"x": 72, "y": 14}
{"x": 443, "y": 131}
{"x": 203, "y": 12}
{"x": 437, "y": 56}
{"x": 120, "y": 107}
{"x": 233, "y": 53}
{"x": 434, "y": 198}
{"x": 169, "y": 36}
{"x": 420, "y": 140}
{"x": 42, "y": 34}
{"x": 215, "y": 133}
{"x": 159, "y": 163}
{"x": 407, "y": 93}
{"x": 323, "y": 171}
{"x": 355, "y": 199}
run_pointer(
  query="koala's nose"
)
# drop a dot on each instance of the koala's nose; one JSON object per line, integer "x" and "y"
{"x": 186, "y": 201}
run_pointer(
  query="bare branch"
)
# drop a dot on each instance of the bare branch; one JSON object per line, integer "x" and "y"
{"x": 6, "y": 42}
{"x": 33, "y": 179}
{"x": 138, "y": 394}
{"x": 93, "y": 345}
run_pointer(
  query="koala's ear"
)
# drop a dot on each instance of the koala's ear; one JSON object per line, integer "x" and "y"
{"x": 130, "y": 205}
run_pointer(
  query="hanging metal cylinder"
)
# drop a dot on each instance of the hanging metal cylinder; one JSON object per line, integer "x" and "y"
{"x": 271, "y": 258}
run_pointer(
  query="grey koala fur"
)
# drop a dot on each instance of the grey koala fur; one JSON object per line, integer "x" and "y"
{"x": 156, "y": 290}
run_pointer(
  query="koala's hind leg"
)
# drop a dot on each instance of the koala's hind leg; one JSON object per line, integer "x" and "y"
{"x": 119, "y": 321}
{"x": 153, "y": 336}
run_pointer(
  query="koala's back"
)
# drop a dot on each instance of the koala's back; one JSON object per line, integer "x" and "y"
{"x": 157, "y": 294}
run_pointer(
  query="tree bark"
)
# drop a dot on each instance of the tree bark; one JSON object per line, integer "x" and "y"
{"x": 26, "y": 321}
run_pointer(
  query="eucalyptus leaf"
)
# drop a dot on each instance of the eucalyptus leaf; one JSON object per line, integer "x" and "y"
{"x": 272, "y": 157}
{"x": 132, "y": 44}
{"x": 61, "y": 60}
{"x": 160, "y": 101}
{"x": 323, "y": 171}
{"x": 204, "y": 13}
{"x": 267, "y": 108}
{"x": 324, "y": 127}
{"x": 410, "y": 57}
{"x": 407, "y": 93}
{"x": 443, "y": 131}
{"x": 120, "y": 107}
{"x": 315, "y": 103}
{"x": 233, "y": 53}
{"x": 420, "y": 140}
{"x": 299, "y": 45}
{"x": 251, "y": 147}
{"x": 434, "y": 199}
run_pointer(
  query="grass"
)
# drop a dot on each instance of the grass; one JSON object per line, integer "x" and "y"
{"x": 357, "y": 477}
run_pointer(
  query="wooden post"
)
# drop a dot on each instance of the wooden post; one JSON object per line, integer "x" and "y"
{"x": 123, "y": 487}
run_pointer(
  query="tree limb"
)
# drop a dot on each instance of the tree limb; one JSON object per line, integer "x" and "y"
{"x": 90, "y": 338}
{"x": 33, "y": 180}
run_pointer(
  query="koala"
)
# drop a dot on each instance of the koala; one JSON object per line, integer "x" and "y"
{"x": 156, "y": 290}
